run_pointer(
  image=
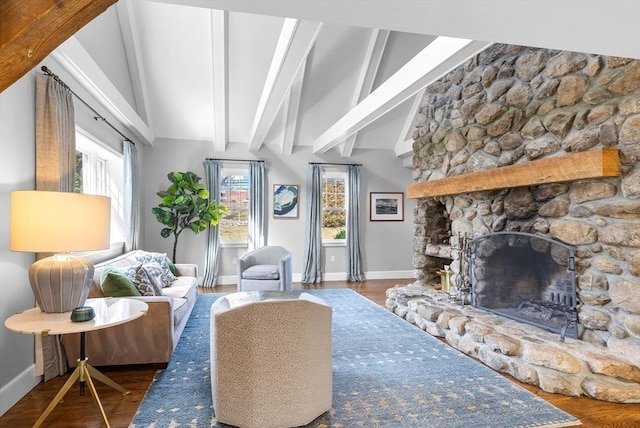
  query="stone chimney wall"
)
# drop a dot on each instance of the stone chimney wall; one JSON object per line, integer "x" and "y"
{"x": 513, "y": 104}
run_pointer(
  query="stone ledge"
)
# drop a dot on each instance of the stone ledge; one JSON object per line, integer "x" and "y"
{"x": 527, "y": 353}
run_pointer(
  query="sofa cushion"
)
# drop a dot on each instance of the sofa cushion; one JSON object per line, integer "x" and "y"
{"x": 116, "y": 284}
{"x": 262, "y": 272}
{"x": 178, "y": 290}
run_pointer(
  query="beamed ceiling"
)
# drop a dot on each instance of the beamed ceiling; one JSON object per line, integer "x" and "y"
{"x": 332, "y": 75}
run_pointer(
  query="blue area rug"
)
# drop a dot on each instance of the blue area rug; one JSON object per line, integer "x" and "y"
{"x": 386, "y": 373}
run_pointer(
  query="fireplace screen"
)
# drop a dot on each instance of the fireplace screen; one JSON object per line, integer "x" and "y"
{"x": 525, "y": 277}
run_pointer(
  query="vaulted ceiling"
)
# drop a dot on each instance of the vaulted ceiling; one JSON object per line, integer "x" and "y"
{"x": 332, "y": 75}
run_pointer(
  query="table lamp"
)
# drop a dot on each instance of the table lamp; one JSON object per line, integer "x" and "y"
{"x": 59, "y": 222}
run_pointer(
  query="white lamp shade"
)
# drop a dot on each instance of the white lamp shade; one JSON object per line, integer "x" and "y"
{"x": 58, "y": 222}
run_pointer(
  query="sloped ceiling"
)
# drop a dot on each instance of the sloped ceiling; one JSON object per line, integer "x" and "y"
{"x": 338, "y": 75}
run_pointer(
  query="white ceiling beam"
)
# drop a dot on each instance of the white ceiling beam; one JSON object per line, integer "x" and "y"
{"x": 219, "y": 42}
{"x": 404, "y": 146}
{"x": 439, "y": 57}
{"x": 291, "y": 108}
{"x": 296, "y": 40}
{"x": 605, "y": 27}
{"x": 77, "y": 62}
{"x": 131, "y": 39}
{"x": 368, "y": 72}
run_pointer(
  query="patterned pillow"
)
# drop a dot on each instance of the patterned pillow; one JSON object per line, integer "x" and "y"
{"x": 128, "y": 271}
{"x": 148, "y": 279}
{"x": 161, "y": 258}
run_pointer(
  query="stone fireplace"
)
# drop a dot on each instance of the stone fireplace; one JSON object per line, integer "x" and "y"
{"x": 504, "y": 108}
{"x": 525, "y": 277}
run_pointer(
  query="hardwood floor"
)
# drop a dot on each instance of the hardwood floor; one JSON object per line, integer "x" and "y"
{"x": 81, "y": 411}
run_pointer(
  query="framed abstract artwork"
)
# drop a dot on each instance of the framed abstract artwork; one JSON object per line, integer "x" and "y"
{"x": 285, "y": 201}
{"x": 386, "y": 206}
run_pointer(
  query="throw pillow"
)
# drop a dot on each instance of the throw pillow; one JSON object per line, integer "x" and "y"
{"x": 116, "y": 284}
{"x": 161, "y": 258}
{"x": 172, "y": 267}
{"x": 148, "y": 279}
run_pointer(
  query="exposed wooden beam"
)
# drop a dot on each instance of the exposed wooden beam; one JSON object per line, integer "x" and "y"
{"x": 31, "y": 30}
{"x": 220, "y": 79}
{"x": 368, "y": 72}
{"x": 440, "y": 56}
{"x": 596, "y": 163}
{"x": 296, "y": 40}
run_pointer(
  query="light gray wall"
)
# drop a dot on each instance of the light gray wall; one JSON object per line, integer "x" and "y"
{"x": 17, "y": 172}
{"x": 386, "y": 246}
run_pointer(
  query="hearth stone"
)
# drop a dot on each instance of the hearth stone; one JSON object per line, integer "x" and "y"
{"x": 528, "y": 353}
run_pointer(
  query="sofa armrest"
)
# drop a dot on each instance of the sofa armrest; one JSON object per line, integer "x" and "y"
{"x": 186, "y": 269}
{"x": 148, "y": 339}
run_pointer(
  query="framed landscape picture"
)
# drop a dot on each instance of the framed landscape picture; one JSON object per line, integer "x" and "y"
{"x": 285, "y": 201}
{"x": 386, "y": 206}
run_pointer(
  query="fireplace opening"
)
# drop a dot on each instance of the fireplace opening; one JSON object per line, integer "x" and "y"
{"x": 525, "y": 277}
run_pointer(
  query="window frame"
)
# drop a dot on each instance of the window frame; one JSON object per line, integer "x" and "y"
{"x": 235, "y": 170}
{"x": 101, "y": 159}
{"x": 339, "y": 173}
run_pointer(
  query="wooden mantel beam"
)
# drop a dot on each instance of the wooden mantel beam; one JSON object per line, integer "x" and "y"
{"x": 598, "y": 163}
{"x": 31, "y": 29}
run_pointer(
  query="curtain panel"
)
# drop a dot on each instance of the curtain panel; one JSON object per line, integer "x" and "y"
{"x": 55, "y": 170}
{"x": 312, "y": 267}
{"x": 257, "y": 205}
{"x": 354, "y": 259}
{"x": 131, "y": 195}
{"x": 212, "y": 169}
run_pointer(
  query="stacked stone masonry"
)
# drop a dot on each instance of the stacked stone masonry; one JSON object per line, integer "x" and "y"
{"x": 513, "y": 104}
{"x": 529, "y": 354}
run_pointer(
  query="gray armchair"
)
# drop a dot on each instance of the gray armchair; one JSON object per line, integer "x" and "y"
{"x": 267, "y": 268}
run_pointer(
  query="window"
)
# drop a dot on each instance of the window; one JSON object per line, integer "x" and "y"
{"x": 334, "y": 206}
{"x": 234, "y": 193}
{"x": 99, "y": 171}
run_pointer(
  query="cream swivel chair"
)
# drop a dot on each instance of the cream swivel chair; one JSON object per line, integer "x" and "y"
{"x": 270, "y": 360}
{"x": 267, "y": 268}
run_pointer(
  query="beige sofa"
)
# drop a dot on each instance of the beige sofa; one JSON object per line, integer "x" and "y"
{"x": 270, "y": 359}
{"x": 150, "y": 339}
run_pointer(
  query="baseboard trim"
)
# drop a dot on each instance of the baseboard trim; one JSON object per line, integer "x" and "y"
{"x": 17, "y": 388}
{"x": 337, "y": 276}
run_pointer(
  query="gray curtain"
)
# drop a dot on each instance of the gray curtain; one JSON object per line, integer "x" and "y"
{"x": 55, "y": 168}
{"x": 131, "y": 195}
{"x": 354, "y": 259}
{"x": 212, "y": 253}
{"x": 257, "y": 205}
{"x": 313, "y": 243}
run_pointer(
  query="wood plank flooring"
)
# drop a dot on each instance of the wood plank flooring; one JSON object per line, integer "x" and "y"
{"x": 81, "y": 411}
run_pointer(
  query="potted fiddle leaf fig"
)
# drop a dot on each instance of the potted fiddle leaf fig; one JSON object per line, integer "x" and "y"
{"x": 185, "y": 205}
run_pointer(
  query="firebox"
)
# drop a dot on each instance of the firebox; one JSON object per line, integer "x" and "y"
{"x": 525, "y": 277}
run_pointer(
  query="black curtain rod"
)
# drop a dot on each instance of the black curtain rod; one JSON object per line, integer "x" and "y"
{"x": 236, "y": 160}
{"x": 98, "y": 115}
{"x": 331, "y": 163}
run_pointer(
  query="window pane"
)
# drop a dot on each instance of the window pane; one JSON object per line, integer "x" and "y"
{"x": 234, "y": 191}
{"x": 334, "y": 212}
{"x": 77, "y": 176}
{"x": 99, "y": 171}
